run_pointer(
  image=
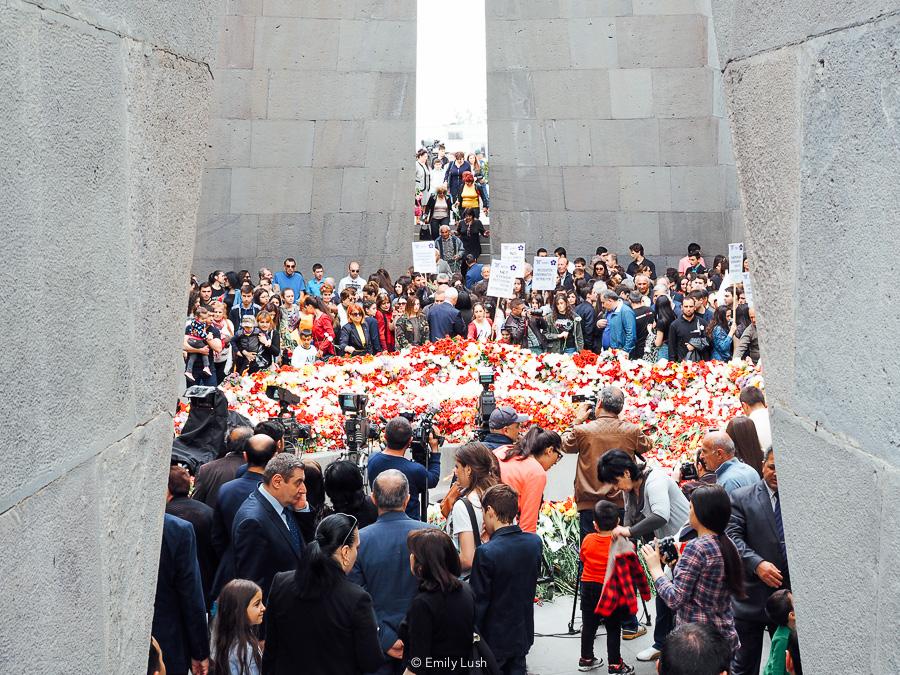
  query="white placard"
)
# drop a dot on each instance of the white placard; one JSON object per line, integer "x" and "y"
{"x": 748, "y": 288}
{"x": 545, "y": 274}
{"x": 503, "y": 275}
{"x": 423, "y": 257}
{"x": 736, "y": 259}
{"x": 514, "y": 253}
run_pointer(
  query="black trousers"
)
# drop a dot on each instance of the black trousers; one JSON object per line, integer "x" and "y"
{"x": 590, "y": 622}
{"x": 435, "y": 226}
{"x": 747, "y": 659}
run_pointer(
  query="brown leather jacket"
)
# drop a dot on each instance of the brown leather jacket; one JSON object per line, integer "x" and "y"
{"x": 591, "y": 440}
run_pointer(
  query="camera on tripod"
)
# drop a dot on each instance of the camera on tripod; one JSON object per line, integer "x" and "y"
{"x": 421, "y": 432}
{"x": 590, "y": 399}
{"x": 486, "y": 402}
{"x": 357, "y": 428}
{"x": 296, "y": 436}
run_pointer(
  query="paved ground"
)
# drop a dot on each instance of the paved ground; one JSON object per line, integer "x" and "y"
{"x": 559, "y": 655}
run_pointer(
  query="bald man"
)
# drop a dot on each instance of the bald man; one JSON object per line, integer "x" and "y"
{"x": 717, "y": 453}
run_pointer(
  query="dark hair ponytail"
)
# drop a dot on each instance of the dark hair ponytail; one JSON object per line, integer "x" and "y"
{"x": 318, "y": 571}
{"x": 712, "y": 508}
{"x": 535, "y": 441}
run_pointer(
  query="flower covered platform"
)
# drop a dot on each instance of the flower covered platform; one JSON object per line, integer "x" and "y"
{"x": 673, "y": 402}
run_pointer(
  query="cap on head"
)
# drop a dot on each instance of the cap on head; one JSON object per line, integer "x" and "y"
{"x": 503, "y": 417}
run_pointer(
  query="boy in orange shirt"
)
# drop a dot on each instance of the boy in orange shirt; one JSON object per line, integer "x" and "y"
{"x": 595, "y": 557}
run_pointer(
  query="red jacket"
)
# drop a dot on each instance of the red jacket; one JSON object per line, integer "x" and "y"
{"x": 385, "y": 334}
{"x": 323, "y": 334}
{"x": 618, "y": 590}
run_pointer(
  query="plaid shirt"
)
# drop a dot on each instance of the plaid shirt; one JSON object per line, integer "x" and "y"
{"x": 618, "y": 590}
{"x": 699, "y": 593}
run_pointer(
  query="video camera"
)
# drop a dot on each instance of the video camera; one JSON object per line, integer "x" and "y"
{"x": 357, "y": 428}
{"x": 486, "y": 402}
{"x": 668, "y": 551}
{"x": 421, "y": 433}
{"x": 296, "y": 436}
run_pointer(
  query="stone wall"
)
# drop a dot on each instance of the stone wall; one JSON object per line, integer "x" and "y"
{"x": 311, "y": 137}
{"x": 606, "y": 126}
{"x": 814, "y": 97}
{"x": 104, "y": 112}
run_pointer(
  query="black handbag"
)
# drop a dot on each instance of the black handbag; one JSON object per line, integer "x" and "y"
{"x": 483, "y": 661}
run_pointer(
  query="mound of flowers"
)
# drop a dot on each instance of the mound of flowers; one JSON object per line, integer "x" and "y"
{"x": 673, "y": 402}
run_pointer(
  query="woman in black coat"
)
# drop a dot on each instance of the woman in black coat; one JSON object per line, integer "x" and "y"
{"x": 453, "y": 178}
{"x": 470, "y": 230}
{"x": 441, "y": 619}
{"x": 319, "y": 622}
{"x": 355, "y": 338}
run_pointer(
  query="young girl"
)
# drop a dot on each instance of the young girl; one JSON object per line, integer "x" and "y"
{"x": 269, "y": 341}
{"x": 235, "y": 647}
{"x": 480, "y": 328}
{"x": 476, "y": 470}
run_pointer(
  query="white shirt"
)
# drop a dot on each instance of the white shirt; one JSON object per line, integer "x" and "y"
{"x": 357, "y": 283}
{"x": 279, "y": 509}
{"x": 459, "y": 517}
{"x": 771, "y": 496}
{"x": 760, "y": 418}
{"x": 303, "y": 357}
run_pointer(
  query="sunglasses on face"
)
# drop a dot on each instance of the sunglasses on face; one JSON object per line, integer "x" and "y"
{"x": 355, "y": 313}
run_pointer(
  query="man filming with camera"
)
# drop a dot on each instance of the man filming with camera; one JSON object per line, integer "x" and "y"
{"x": 398, "y": 437}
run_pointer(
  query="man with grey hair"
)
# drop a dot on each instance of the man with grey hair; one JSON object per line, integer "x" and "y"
{"x": 444, "y": 320}
{"x": 717, "y": 452}
{"x": 382, "y": 564}
{"x": 265, "y": 536}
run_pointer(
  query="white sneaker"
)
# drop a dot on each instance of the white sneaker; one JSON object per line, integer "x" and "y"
{"x": 648, "y": 654}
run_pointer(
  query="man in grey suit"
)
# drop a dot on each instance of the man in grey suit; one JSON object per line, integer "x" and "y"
{"x": 382, "y": 565}
{"x": 757, "y": 530}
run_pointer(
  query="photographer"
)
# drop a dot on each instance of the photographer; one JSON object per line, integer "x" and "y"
{"x": 709, "y": 572}
{"x": 398, "y": 436}
{"x": 593, "y": 439}
{"x": 654, "y": 507}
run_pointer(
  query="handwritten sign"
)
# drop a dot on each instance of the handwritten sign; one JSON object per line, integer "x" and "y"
{"x": 545, "y": 274}
{"x": 748, "y": 288}
{"x": 423, "y": 257}
{"x": 503, "y": 275}
{"x": 736, "y": 259}
{"x": 515, "y": 254}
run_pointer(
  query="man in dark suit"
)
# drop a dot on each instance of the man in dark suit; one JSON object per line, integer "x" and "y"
{"x": 504, "y": 579}
{"x": 382, "y": 564}
{"x": 213, "y": 475}
{"x": 179, "y": 613}
{"x": 757, "y": 530}
{"x": 265, "y": 537}
{"x": 199, "y": 515}
{"x": 444, "y": 320}
{"x": 258, "y": 451}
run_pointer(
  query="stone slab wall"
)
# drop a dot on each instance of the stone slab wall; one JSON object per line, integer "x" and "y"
{"x": 104, "y": 112}
{"x": 606, "y": 126}
{"x": 311, "y": 137}
{"x": 813, "y": 93}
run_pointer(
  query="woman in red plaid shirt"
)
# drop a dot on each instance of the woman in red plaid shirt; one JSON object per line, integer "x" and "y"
{"x": 709, "y": 572}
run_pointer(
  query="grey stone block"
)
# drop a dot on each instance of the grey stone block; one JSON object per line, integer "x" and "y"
{"x": 296, "y": 44}
{"x": 682, "y": 92}
{"x": 377, "y": 46}
{"x": 282, "y": 143}
{"x": 510, "y": 45}
{"x": 678, "y": 41}
{"x": 631, "y": 93}
{"x": 326, "y": 190}
{"x": 215, "y": 192}
{"x": 281, "y": 234}
{"x": 593, "y": 43}
{"x": 698, "y": 188}
{"x": 527, "y": 188}
{"x": 240, "y": 94}
{"x": 591, "y": 188}
{"x": 691, "y": 142}
{"x": 571, "y": 94}
{"x": 668, "y": 7}
{"x": 395, "y": 96}
{"x": 517, "y": 143}
{"x": 271, "y": 191}
{"x": 229, "y": 143}
{"x": 384, "y": 137}
{"x": 625, "y": 142}
{"x": 236, "y": 42}
{"x": 389, "y": 189}
{"x": 707, "y": 229}
{"x": 339, "y": 143}
{"x": 509, "y": 10}
{"x": 243, "y": 7}
{"x": 317, "y": 95}
{"x": 354, "y": 190}
{"x": 642, "y": 228}
{"x": 568, "y": 142}
{"x": 645, "y": 188}
{"x": 509, "y": 96}
{"x": 598, "y": 8}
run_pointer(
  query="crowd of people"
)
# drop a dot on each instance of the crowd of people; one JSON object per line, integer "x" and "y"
{"x": 447, "y": 188}
{"x": 300, "y": 566}
{"x": 238, "y": 324}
